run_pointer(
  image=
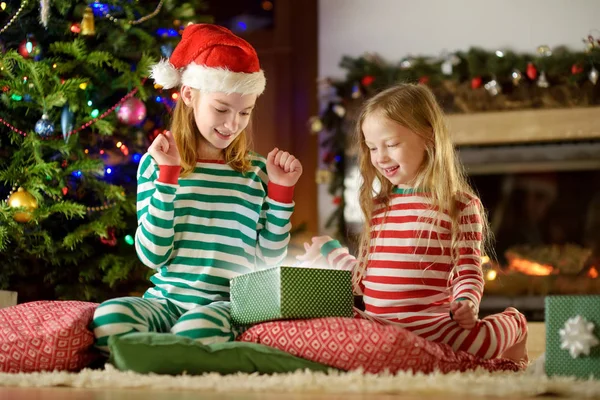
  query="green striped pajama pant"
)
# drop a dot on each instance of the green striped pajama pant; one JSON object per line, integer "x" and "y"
{"x": 208, "y": 324}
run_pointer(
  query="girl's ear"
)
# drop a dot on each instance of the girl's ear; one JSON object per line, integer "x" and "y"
{"x": 186, "y": 95}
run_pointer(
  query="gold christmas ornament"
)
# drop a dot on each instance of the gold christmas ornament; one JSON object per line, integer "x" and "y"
{"x": 22, "y": 198}
{"x": 88, "y": 27}
{"x": 323, "y": 176}
{"x": 316, "y": 125}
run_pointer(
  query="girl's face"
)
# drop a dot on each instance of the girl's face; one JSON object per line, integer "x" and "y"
{"x": 220, "y": 117}
{"x": 396, "y": 152}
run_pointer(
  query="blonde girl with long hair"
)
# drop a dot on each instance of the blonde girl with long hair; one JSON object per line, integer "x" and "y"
{"x": 208, "y": 208}
{"x": 419, "y": 264}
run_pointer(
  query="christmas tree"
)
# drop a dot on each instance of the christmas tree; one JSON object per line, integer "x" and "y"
{"x": 77, "y": 114}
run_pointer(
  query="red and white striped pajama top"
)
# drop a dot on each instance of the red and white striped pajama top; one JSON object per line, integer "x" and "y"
{"x": 408, "y": 277}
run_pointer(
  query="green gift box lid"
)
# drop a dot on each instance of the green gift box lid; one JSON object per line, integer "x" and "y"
{"x": 290, "y": 293}
{"x": 573, "y": 329}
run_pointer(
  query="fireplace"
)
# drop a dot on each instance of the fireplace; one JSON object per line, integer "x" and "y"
{"x": 543, "y": 201}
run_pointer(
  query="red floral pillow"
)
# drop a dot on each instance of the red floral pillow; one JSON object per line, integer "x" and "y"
{"x": 46, "y": 335}
{"x": 348, "y": 344}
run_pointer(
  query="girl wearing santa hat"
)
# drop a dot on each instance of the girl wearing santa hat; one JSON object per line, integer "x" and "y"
{"x": 208, "y": 208}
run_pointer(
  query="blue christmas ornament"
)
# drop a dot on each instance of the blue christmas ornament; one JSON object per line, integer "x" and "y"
{"x": 66, "y": 122}
{"x": 166, "y": 49}
{"x": 44, "y": 127}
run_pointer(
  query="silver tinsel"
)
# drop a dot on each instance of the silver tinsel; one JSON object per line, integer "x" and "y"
{"x": 44, "y": 12}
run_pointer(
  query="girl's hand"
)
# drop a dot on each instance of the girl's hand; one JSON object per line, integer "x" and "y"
{"x": 164, "y": 150}
{"x": 313, "y": 252}
{"x": 465, "y": 313}
{"x": 283, "y": 168}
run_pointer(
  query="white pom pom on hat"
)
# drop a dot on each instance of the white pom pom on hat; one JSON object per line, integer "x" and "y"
{"x": 211, "y": 58}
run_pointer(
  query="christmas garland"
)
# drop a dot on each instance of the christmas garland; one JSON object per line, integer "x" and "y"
{"x": 463, "y": 82}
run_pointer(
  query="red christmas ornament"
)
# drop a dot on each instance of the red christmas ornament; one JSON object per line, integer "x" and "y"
{"x": 576, "y": 69}
{"x": 476, "y": 82}
{"x": 132, "y": 111}
{"x": 111, "y": 238}
{"x": 531, "y": 71}
{"x": 337, "y": 200}
{"x": 424, "y": 80}
{"x": 367, "y": 80}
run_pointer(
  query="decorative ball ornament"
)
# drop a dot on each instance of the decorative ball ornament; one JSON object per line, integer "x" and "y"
{"x": 316, "y": 125}
{"x": 476, "y": 82}
{"x": 576, "y": 69}
{"x": 516, "y": 77}
{"x": 577, "y": 336}
{"x": 44, "y": 127}
{"x": 544, "y": 51}
{"x": 132, "y": 111}
{"x": 531, "y": 71}
{"x": 339, "y": 110}
{"x": 324, "y": 176}
{"x": 593, "y": 75}
{"x": 22, "y": 198}
{"x": 367, "y": 80}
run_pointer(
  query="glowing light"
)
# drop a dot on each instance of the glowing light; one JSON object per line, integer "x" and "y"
{"x": 129, "y": 240}
{"x": 89, "y": 103}
{"x": 491, "y": 275}
{"x": 82, "y": 86}
{"x": 530, "y": 267}
{"x": 119, "y": 144}
{"x": 95, "y": 112}
{"x": 175, "y": 96}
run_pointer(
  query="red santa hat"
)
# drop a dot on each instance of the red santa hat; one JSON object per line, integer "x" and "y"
{"x": 212, "y": 59}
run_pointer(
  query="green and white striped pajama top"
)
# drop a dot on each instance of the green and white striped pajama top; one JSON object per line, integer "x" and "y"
{"x": 198, "y": 232}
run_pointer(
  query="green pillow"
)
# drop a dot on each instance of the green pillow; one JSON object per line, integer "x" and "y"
{"x": 165, "y": 353}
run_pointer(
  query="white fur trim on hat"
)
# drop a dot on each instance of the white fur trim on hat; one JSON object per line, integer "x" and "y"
{"x": 212, "y": 80}
{"x": 165, "y": 74}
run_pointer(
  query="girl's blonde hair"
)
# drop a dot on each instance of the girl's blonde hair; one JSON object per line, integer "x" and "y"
{"x": 441, "y": 174}
{"x": 188, "y": 137}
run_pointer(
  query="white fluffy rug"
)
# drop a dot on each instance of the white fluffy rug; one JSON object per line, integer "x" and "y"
{"x": 478, "y": 383}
